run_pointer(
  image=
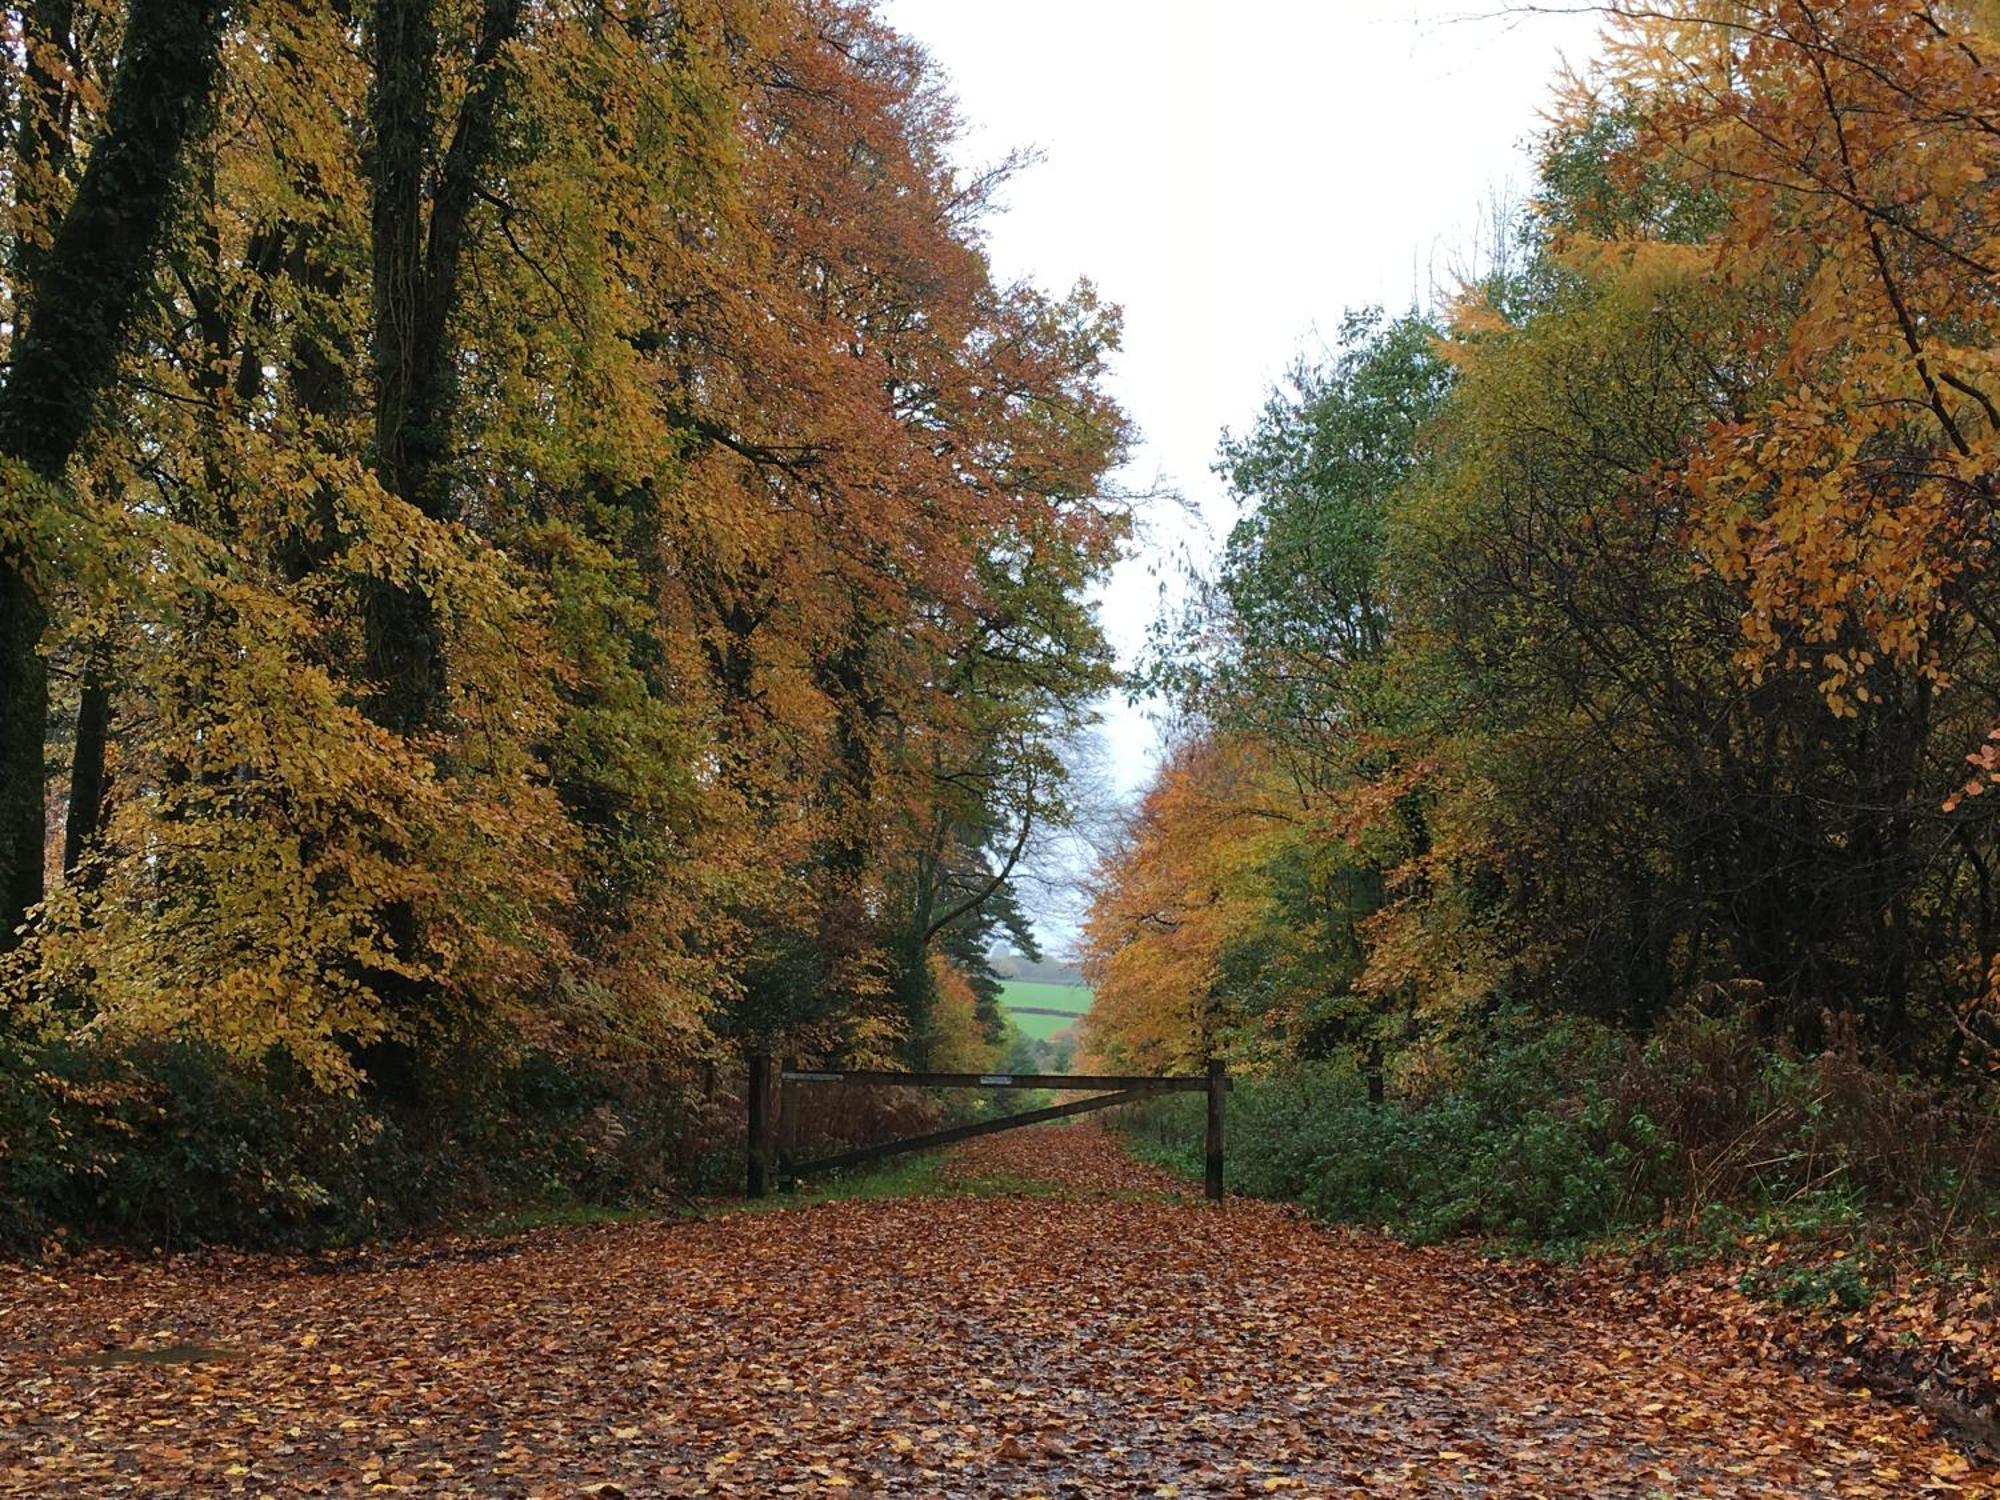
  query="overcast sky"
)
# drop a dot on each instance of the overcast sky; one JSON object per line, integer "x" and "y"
{"x": 1235, "y": 176}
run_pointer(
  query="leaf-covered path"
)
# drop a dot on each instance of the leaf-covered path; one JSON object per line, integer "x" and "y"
{"x": 1110, "y": 1339}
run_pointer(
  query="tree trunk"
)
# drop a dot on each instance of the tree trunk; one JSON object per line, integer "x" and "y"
{"x": 24, "y": 725}
{"x": 86, "y": 776}
{"x": 417, "y": 266}
{"x": 41, "y": 137}
{"x": 85, "y": 291}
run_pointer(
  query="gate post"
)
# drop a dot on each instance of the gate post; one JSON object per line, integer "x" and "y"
{"x": 757, "y": 1175}
{"x": 788, "y": 1129}
{"x": 1217, "y": 1085}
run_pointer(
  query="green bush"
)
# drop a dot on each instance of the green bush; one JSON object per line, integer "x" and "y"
{"x": 165, "y": 1144}
{"x": 1562, "y": 1131}
{"x": 172, "y": 1144}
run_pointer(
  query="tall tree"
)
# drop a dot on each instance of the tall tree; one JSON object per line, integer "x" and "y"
{"x": 419, "y": 256}
{"x": 593, "y": 519}
{"x": 82, "y": 296}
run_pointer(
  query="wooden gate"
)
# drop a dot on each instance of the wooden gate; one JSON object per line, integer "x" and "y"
{"x": 1107, "y": 1090}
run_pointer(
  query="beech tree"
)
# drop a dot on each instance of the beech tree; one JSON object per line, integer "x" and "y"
{"x": 75, "y": 298}
{"x": 588, "y": 554}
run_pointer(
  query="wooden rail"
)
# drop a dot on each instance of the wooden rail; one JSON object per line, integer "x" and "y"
{"x": 1076, "y": 1083}
{"x": 841, "y": 1160}
{"x": 1110, "y": 1089}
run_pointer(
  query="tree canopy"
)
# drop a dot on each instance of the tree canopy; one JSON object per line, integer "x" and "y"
{"x": 545, "y": 525}
{"x": 1618, "y": 637}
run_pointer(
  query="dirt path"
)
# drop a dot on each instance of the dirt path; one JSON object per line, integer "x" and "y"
{"x": 1112, "y": 1341}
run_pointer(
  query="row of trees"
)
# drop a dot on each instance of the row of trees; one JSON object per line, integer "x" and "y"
{"x": 522, "y": 517}
{"x": 1629, "y": 635}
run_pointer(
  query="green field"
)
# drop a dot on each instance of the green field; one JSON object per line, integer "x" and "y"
{"x": 1019, "y": 992}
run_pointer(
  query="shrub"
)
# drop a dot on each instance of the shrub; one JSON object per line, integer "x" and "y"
{"x": 171, "y": 1144}
{"x": 1563, "y": 1131}
{"x": 167, "y": 1143}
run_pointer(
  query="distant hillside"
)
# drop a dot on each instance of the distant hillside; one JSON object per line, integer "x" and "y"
{"x": 1011, "y": 965}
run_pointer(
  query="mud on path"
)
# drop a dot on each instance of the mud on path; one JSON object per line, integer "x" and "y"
{"x": 1115, "y": 1338}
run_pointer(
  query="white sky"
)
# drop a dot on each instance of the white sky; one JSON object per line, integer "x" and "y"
{"x": 1235, "y": 176}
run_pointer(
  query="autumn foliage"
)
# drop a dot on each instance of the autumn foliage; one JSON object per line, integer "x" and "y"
{"x": 568, "y": 546}
{"x": 1618, "y": 641}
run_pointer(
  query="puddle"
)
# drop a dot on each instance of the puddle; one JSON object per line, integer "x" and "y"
{"x": 165, "y": 1354}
